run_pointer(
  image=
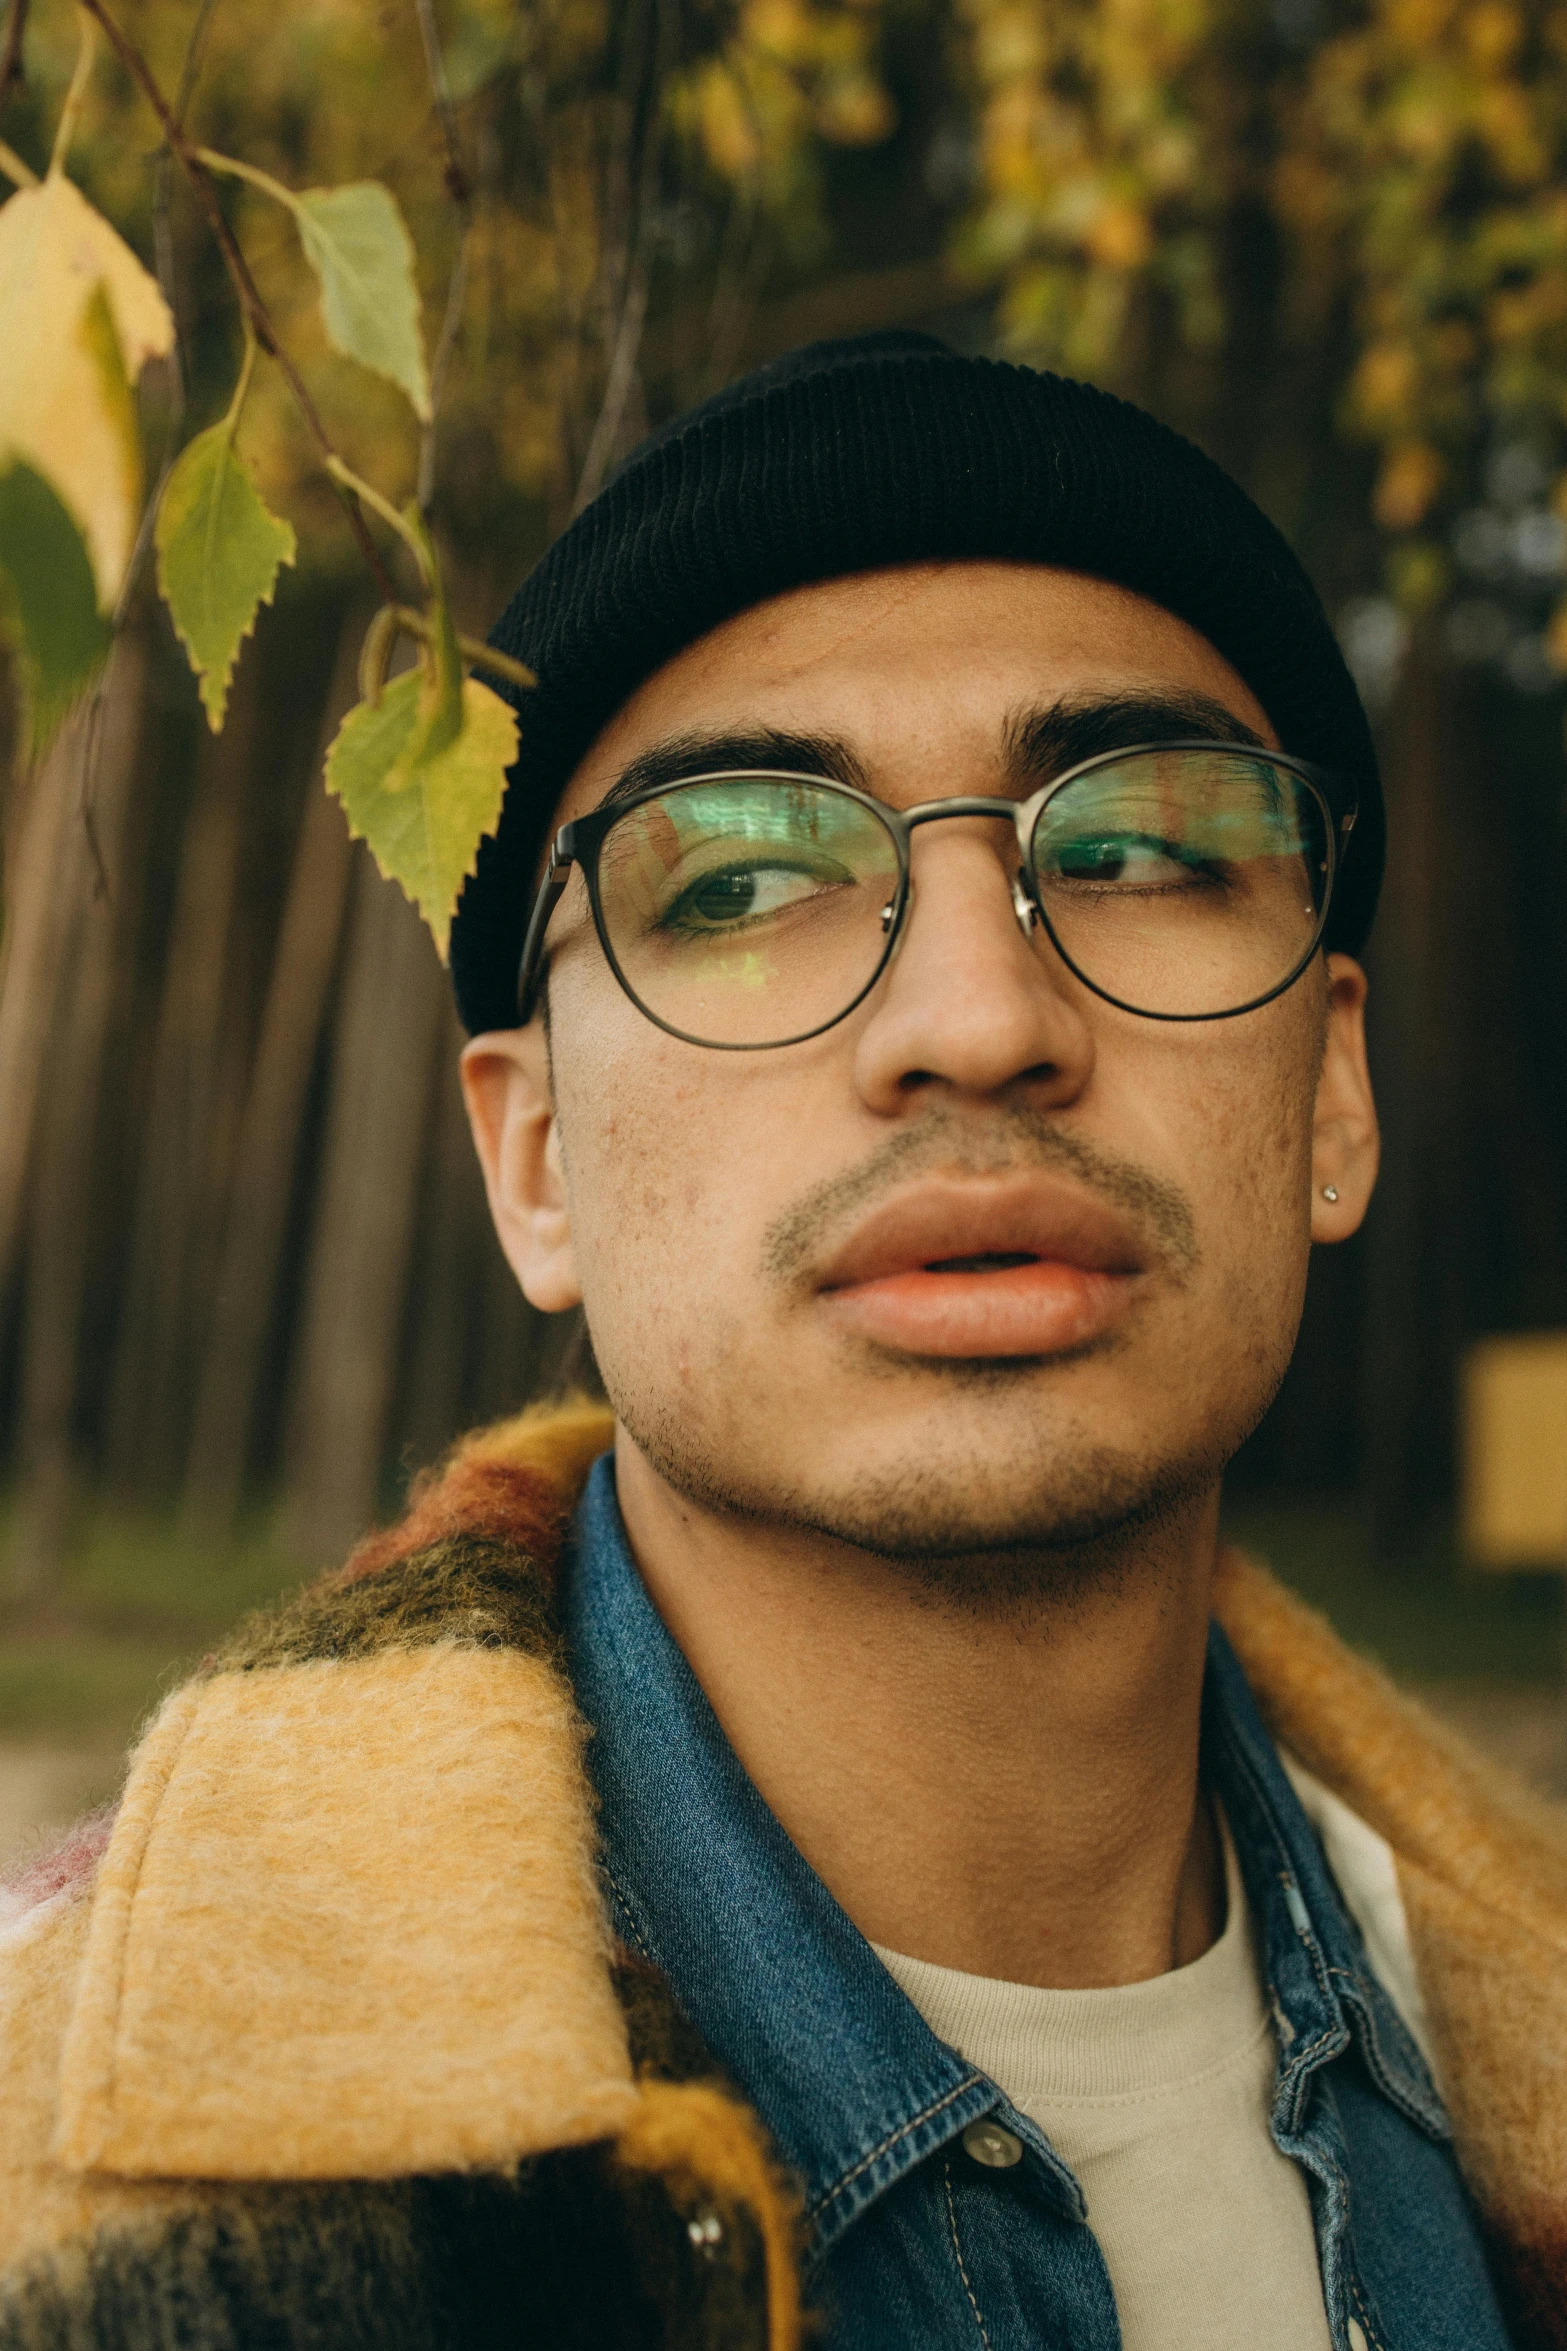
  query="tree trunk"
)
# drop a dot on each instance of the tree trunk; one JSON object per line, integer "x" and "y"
{"x": 1415, "y": 1278}
{"x": 61, "y": 1190}
{"x": 245, "y": 1306}
{"x": 165, "y": 1295}
{"x": 42, "y": 873}
{"x": 439, "y": 1335}
{"x": 383, "y": 1064}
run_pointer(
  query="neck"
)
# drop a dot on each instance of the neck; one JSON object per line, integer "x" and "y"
{"x": 997, "y": 1773}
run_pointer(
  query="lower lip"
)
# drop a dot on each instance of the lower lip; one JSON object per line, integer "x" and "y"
{"x": 1041, "y": 1309}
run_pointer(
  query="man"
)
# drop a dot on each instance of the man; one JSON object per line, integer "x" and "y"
{"x": 915, "y": 1014}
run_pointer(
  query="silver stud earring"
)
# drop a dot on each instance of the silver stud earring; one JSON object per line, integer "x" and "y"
{"x": 1330, "y": 1191}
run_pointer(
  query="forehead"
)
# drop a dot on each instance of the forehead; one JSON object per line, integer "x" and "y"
{"x": 916, "y": 668}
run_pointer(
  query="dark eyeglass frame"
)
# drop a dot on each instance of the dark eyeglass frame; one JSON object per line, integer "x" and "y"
{"x": 580, "y": 842}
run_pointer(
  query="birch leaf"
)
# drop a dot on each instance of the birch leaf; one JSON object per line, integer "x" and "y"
{"x": 48, "y": 601}
{"x": 357, "y": 243}
{"x": 219, "y": 553}
{"x": 422, "y": 803}
{"x": 82, "y": 317}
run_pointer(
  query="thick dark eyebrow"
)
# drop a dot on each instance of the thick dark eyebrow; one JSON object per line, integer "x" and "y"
{"x": 1042, "y": 743}
{"x": 735, "y": 752}
{"x": 1036, "y": 744}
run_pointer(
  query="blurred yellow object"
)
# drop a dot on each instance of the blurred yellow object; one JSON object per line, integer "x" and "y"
{"x": 1515, "y": 1451}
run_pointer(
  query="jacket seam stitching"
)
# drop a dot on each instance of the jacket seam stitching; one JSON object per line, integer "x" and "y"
{"x": 628, "y": 1914}
{"x": 891, "y": 2140}
{"x": 952, "y": 2223}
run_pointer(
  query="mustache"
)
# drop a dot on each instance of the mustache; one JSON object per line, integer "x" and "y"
{"x": 944, "y": 1143}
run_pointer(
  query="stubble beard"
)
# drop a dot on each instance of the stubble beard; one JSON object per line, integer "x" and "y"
{"x": 1058, "y": 1515}
{"x": 1048, "y": 1525}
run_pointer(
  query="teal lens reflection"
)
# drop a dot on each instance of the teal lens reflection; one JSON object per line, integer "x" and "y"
{"x": 747, "y": 910}
{"x": 1184, "y": 883}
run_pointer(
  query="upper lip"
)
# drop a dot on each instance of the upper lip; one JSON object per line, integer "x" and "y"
{"x": 1030, "y": 1213}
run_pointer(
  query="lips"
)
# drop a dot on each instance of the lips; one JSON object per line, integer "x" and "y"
{"x": 986, "y": 1268}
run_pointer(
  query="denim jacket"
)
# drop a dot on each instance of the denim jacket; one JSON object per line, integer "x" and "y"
{"x": 909, "y": 2240}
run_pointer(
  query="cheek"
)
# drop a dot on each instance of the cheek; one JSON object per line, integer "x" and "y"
{"x": 1255, "y": 1208}
{"x": 660, "y": 1182}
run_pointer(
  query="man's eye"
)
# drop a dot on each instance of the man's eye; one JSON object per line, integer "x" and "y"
{"x": 748, "y": 893}
{"x": 1131, "y": 861}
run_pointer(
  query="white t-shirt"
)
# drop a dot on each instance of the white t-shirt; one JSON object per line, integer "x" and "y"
{"x": 1158, "y": 2096}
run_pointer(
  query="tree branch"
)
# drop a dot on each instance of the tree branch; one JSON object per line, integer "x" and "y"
{"x": 11, "y": 55}
{"x": 244, "y": 284}
{"x": 460, "y": 188}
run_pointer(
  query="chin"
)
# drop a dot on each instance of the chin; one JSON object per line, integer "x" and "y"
{"x": 1084, "y": 1501}
{"x": 958, "y": 1485}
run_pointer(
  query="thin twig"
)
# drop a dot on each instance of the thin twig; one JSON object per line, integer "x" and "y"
{"x": 346, "y": 479}
{"x": 633, "y": 266}
{"x": 456, "y": 295}
{"x": 192, "y": 64}
{"x": 460, "y": 189}
{"x": 244, "y": 284}
{"x": 458, "y": 186}
{"x": 395, "y": 620}
{"x": 11, "y": 55}
{"x": 15, "y": 169}
{"x": 65, "y": 128}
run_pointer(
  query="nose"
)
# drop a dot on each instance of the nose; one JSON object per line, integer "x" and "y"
{"x": 976, "y": 1000}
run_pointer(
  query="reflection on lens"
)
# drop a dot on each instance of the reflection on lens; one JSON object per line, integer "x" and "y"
{"x": 1187, "y": 883}
{"x": 747, "y": 910}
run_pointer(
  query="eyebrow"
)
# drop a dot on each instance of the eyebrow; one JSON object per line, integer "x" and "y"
{"x": 737, "y": 751}
{"x": 1036, "y": 744}
{"x": 1042, "y": 743}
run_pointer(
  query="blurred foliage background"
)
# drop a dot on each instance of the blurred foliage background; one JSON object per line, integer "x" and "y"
{"x": 247, "y": 1283}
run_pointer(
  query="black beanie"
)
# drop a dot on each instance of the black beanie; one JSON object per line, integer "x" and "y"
{"x": 887, "y": 449}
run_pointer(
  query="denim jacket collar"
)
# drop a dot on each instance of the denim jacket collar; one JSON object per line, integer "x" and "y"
{"x": 1321, "y": 1984}
{"x": 785, "y": 1991}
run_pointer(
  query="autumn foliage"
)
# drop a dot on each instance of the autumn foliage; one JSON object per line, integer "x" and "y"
{"x": 350, "y": 307}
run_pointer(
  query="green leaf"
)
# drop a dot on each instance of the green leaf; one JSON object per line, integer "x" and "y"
{"x": 219, "y": 554}
{"x": 48, "y": 600}
{"x": 420, "y": 792}
{"x": 357, "y": 243}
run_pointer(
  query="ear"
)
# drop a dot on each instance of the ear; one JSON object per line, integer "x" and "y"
{"x": 511, "y": 1110}
{"x": 1346, "y": 1145}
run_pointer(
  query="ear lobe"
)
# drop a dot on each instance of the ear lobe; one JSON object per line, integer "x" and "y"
{"x": 1346, "y": 1142}
{"x": 505, "y": 1082}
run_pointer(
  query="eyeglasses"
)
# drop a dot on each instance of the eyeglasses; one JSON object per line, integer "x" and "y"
{"x": 1181, "y": 881}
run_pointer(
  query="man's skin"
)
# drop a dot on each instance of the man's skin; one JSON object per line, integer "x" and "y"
{"x": 939, "y": 1550}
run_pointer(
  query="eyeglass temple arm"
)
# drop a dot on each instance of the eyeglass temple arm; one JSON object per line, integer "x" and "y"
{"x": 556, "y": 873}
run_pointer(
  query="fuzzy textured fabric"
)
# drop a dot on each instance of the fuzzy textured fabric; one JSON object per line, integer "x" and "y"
{"x": 322, "y": 2041}
{"x": 873, "y": 451}
{"x": 321, "y": 2044}
{"x": 226, "y": 2036}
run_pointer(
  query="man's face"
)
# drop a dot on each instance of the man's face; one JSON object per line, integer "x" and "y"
{"x": 991, "y": 1263}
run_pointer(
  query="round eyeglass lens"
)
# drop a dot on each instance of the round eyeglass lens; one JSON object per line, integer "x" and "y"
{"x": 747, "y": 910}
{"x": 1186, "y": 883}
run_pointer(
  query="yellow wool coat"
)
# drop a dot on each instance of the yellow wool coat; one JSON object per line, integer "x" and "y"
{"x": 319, "y": 2038}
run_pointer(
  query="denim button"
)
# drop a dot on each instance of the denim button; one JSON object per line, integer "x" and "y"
{"x": 995, "y": 2147}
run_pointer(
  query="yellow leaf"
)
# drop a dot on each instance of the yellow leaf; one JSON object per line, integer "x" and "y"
{"x": 424, "y": 804}
{"x": 81, "y": 318}
{"x": 1120, "y": 237}
{"x": 1410, "y": 479}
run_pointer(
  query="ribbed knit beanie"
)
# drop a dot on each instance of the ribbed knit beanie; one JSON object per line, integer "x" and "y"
{"x": 851, "y": 456}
